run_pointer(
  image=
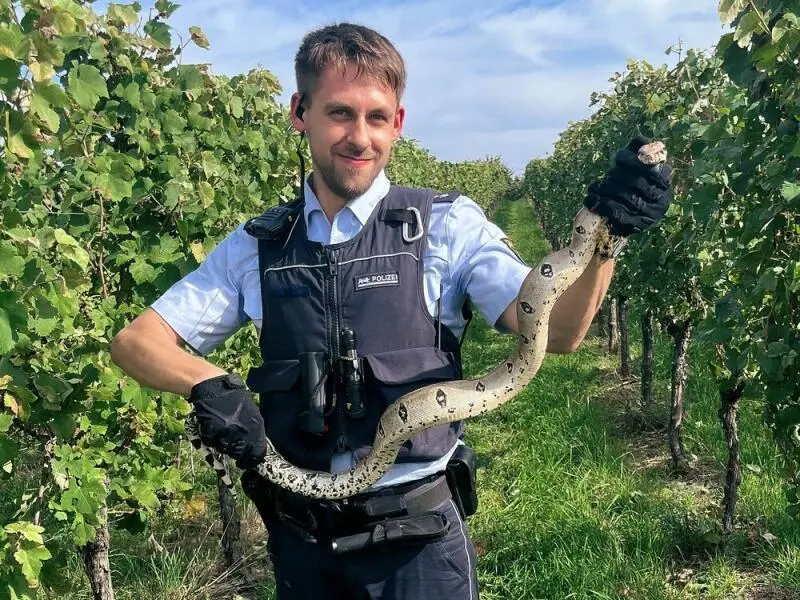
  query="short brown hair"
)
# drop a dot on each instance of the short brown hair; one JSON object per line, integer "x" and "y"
{"x": 343, "y": 44}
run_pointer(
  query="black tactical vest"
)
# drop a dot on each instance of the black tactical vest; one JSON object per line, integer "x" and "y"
{"x": 372, "y": 284}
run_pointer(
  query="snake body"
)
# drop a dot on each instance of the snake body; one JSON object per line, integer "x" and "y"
{"x": 441, "y": 403}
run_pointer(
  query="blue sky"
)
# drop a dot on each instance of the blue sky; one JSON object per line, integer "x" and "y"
{"x": 485, "y": 77}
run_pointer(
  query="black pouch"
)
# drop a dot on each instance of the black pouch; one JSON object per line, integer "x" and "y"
{"x": 460, "y": 475}
{"x": 261, "y": 493}
{"x": 413, "y": 529}
{"x": 275, "y": 223}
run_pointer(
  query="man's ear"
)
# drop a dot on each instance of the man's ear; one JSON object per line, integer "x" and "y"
{"x": 397, "y": 125}
{"x": 297, "y": 111}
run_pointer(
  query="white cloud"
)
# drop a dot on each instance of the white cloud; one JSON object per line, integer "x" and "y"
{"x": 484, "y": 78}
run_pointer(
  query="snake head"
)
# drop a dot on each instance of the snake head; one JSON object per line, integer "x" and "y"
{"x": 652, "y": 153}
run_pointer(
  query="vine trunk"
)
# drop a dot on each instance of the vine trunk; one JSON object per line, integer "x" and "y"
{"x": 624, "y": 347}
{"x": 613, "y": 334}
{"x": 681, "y": 333}
{"x": 728, "y": 414}
{"x": 647, "y": 358}
{"x": 96, "y": 562}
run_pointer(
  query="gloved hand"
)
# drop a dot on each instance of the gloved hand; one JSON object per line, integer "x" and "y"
{"x": 229, "y": 420}
{"x": 632, "y": 196}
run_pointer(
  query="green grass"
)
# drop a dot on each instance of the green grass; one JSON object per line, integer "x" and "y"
{"x": 179, "y": 556}
{"x": 575, "y": 501}
{"x": 575, "y": 504}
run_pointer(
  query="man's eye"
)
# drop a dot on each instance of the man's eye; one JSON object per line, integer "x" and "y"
{"x": 380, "y": 117}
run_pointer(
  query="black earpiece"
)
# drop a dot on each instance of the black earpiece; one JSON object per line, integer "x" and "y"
{"x": 300, "y": 110}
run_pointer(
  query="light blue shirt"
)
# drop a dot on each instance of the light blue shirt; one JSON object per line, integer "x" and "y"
{"x": 465, "y": 257}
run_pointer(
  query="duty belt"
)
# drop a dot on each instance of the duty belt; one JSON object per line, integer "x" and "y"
{"x": 336, "y": 517}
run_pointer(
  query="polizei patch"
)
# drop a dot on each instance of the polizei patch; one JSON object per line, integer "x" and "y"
{"x": 374, "y": 280}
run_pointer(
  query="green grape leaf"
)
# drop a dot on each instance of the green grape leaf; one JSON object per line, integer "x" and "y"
{"x": 30, "y": 559}
{"x": 86, "y": 86}
{"x": 11, "y": 264}
{"x": 6, "y": 335}
{"x": 198, "y": 37}
{"x": 70, "y": 248}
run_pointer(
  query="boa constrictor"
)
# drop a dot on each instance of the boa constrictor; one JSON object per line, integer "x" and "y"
{"x": 445, "y": 402}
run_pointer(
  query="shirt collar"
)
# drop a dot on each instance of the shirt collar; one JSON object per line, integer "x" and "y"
{"x": 361, "y": 207}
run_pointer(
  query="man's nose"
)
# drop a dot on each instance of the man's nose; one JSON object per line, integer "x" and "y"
{"x": 359, "y": 133}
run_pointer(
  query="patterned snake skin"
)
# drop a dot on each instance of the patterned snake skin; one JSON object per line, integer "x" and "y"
{"x": 445, "y": 402}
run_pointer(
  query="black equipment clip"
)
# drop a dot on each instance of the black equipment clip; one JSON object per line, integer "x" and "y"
{"x": 351, "y": 375}
{"x": 461, "y": 478}
{"x": 276, "y": 222}
{"x": 407, "y": 530}
{"x": 313, "y": 374}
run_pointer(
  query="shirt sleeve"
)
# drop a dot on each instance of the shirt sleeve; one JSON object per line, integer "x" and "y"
{"x": 482, "y": 265}
{"x": 205, "y": 308}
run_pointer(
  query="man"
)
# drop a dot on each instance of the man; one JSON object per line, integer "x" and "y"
{"x": 378, "y": 268}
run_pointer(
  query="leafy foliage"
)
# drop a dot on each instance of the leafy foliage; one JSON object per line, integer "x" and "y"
{"x": 120, "y": 169}
{"x": 726, "y": 256}
{"x": 484, "y": 181}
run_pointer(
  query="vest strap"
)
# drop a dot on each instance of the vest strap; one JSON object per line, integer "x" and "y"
{"x": 409, "y": 217}
{"x": 466, "y": 314}
{"x": 400, "y": 215}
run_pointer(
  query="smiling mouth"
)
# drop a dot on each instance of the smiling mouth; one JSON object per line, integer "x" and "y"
{"x": 356, "y": 163}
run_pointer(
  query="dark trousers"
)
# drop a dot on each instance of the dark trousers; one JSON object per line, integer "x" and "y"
{"x": 306, "y": 569}
{"x": 424, "y": 571}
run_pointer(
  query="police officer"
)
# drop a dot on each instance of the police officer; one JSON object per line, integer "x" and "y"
{"x": 358, "y": 265}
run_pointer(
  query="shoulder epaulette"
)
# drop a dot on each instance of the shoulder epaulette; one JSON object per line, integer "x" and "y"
{"x": 447, "y": 197}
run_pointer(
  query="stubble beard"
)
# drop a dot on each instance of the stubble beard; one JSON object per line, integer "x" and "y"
{"x": 347, "y": 184}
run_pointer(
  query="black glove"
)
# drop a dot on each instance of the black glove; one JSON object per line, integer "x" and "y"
{"x": 632, "y": 196}
{"x": 229, "y": 420}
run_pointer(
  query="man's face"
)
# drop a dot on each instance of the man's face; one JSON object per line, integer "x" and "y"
{"x": 350, "y": 124}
